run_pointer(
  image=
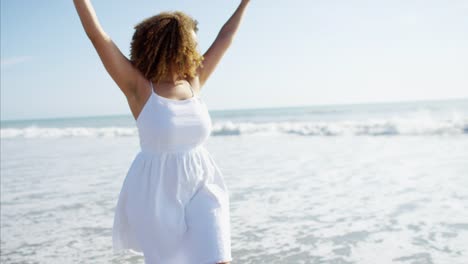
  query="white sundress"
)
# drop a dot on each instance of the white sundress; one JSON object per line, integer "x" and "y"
{"x": 173, "y": 207}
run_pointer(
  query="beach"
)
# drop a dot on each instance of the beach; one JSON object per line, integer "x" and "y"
{"x": 379, "y": 183}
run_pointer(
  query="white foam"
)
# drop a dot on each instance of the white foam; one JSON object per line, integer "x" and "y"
{"x": 46, "y": 132}
{"x": 421, "y": 122}
{"x": 411, "y": 125}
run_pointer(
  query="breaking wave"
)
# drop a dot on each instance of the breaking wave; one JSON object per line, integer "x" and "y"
{"x": 383, "y": 127}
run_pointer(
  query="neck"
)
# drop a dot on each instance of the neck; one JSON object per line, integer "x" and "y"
{"x": 171, "y": 78}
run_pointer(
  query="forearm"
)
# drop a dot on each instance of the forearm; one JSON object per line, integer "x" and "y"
{"x": 229, "y": 29}
{"x": 89, "y": 19}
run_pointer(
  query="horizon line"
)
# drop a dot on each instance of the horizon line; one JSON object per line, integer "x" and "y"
{"x": 257, "y": 108}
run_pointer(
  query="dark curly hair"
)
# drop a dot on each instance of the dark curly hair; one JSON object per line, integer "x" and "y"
{"x": 164, "y": 41}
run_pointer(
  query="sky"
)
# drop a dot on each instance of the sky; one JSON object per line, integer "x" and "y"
{"x": 285, "y": 53}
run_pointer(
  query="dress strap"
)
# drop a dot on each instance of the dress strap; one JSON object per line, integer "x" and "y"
{"x": 192, "y": 91}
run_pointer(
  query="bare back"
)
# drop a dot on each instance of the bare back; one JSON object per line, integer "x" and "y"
{"x": 137, "y": 100}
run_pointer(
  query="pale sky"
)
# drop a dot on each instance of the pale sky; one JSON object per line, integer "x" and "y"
{"x": 286, "y": 53}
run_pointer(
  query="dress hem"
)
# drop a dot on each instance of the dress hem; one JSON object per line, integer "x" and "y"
{"x": 218, "y": 260}
{"x": 134, "y": 251}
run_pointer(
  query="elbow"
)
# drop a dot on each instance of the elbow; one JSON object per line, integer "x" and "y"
{"x": 227, "y": 31}
{"x": 92, "y": 35}
{"x": 97, "y": 36}
{"x": 226, "y": 35}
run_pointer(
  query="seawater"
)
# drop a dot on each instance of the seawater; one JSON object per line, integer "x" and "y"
{"x": 371, "y": 183}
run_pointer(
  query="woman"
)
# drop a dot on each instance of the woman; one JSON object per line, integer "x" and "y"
{"x": 174, "y": 205}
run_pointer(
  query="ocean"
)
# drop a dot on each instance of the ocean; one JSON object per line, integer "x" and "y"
{"x": 359, "y": 183}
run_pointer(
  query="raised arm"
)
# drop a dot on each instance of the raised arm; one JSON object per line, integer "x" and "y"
{"x": 117, "y": 65}
{"x": 222, "y": 42}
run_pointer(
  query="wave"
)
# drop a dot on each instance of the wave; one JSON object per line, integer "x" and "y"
{"x": 418, "y": 123}
{"x": 384, "y": 127}
{"x": 48, "y": 132}
{"x": 354, "y": 128}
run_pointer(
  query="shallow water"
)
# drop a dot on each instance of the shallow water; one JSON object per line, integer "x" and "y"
{"x": 294, "y": 199}
{"x": 351, "y": 200}
{"x": 364, "y": 184}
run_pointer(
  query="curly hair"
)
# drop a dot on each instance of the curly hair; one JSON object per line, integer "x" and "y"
{"x": 164, "y": 41}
